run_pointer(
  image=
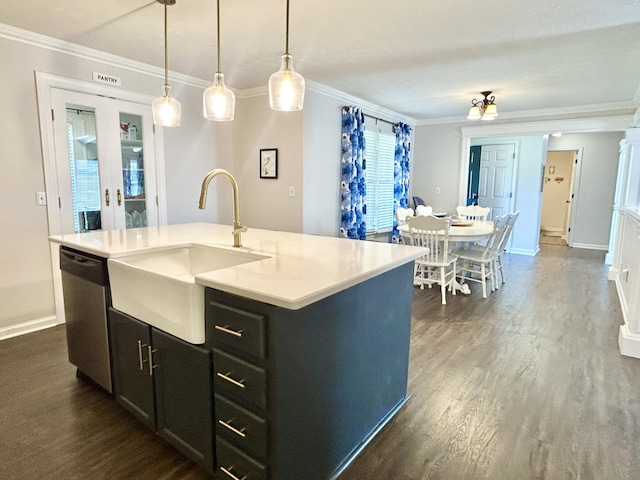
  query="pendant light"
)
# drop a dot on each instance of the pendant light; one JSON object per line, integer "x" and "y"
{"x": 484, "y": 109}
{"x": 286, "y": 87}
{"x": 218, "y": 101}
{"x": 166, "y": 109}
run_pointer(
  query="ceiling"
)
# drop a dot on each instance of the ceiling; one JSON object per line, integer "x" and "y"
{"x": 423, "y": 59}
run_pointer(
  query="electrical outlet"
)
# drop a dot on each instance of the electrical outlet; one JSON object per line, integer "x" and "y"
{"x": 292, "y": 192}
{"x": 41, "y": 198}
{"x": 437, "y": 190}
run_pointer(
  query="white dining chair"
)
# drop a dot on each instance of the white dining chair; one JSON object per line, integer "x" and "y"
{"x": 473, "y": 212}
{"x": 511, "y": 220}
{"x": 438, "y": 265}
{"x": 477, "y": 263}
{"x": 424, "y": 210}
{"x": 401, "y": 218}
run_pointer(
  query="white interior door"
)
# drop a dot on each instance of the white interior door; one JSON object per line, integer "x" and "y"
{"x": 495, "y": 189}
{"x": 105, "y": 162}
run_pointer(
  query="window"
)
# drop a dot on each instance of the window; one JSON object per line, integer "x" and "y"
{"x": 379, "y": 180}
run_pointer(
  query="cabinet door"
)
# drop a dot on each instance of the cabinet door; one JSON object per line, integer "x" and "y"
{"x": 184, "y": 397}
{"x": 133, "y": 382}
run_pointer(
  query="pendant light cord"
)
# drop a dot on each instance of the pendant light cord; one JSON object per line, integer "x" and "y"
{"x": 219, "y": 71}
{"x": 286, "y": 48}
{"x": 166, "y": 55}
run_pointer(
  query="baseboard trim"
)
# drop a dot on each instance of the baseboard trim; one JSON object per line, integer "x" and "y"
{"x": 590, "y": 246}
{"x": 628, "y": 342}
{"x": 524, "y": 251}
{"x": 27, "y": 327}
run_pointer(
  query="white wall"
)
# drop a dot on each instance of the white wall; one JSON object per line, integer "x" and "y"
{"x": 265, "y": 203}
{"x": 26, "y": 277}
{"x": 436, "y": 163}
{"x": 597, "y": 183}
{"x": 322, "y": 173}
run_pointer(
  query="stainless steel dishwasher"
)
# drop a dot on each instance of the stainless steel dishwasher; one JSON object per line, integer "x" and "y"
{"x": 85, "y": 284}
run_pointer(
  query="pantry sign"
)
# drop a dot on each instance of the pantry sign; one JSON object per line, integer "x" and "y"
{"x": 107, "y": 79}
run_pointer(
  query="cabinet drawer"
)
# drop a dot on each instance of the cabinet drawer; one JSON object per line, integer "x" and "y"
{"x": 235, "y": 465}
{"x": 246, "y": 430}
{"x": 238, "y": 329}
{"x": 239, "y": 379}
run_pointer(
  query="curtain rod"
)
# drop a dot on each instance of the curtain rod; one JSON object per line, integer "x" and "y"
{"x": 381, "y": 119}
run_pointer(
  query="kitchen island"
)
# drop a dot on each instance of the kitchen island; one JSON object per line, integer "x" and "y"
{"x": 305, "y": 352}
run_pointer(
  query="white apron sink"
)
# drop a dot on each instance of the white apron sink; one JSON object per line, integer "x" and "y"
{"x": 159, "y": 287}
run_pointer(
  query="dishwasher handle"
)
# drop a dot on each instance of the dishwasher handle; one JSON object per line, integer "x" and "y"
{"x": 87, "y": 267}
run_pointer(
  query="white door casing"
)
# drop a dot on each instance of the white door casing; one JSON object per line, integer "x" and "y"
{"x": 45, "y": 83}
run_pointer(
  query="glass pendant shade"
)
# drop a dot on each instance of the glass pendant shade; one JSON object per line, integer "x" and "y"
{"x": 491, "y": 112}
{"x": 166, "y": 110}
{"x": 286, "y": 87}
{"x": 474, "y": 113}
{"x": 218, "y": 101}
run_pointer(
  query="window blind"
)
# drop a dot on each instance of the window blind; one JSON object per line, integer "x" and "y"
{"x": 379, "y": 180}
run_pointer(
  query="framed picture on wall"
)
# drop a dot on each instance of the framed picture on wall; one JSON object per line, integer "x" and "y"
{"x": 268, "y": 163}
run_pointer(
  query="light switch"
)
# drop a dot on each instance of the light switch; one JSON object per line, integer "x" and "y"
{"x": 437, "y": 190}
{"x": 292, "y": 192}
{"x": 41, "y": 198}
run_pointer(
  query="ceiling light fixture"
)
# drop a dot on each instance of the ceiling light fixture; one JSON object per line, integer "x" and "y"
{"x": 166, "y": 109}
{"x": 489, "y": 109}
{"x": 218, "y": 101}
{"x": 286, "y": 87}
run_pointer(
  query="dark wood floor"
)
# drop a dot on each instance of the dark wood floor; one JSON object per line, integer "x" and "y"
{"x": 527, "y": 384}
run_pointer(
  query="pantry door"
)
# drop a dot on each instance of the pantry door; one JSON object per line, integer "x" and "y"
{"x": 104, "y": 152}
{"x": 495, "y": 189}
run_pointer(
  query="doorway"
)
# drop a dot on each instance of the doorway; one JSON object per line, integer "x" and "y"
{"x": 557, "y": 197}
{"x": 490, "y": 182}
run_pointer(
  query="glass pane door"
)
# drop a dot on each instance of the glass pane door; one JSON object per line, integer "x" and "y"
{"x": 83, "y": 165}
{"x": 133, "y": 171}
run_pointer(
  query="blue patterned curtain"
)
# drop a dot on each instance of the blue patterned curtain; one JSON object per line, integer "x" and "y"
{"x": 352, "y": 189}
{"x": 401, "y": 174}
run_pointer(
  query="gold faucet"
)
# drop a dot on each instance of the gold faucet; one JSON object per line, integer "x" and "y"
{"x": 237, "y": 227}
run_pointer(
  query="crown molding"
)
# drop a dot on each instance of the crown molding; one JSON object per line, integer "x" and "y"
{"x": 60, "y": 46}
{"x": 612, "y": 123}
{"x": 601, "y": 109}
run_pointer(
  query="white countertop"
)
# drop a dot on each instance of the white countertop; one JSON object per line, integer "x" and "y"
{"x": 302, "y": 269}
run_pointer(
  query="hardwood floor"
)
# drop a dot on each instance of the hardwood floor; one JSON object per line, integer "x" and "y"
{"x": 526, "y": 384}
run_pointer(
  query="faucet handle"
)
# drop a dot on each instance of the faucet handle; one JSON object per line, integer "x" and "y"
{"x": 240, "y": 229}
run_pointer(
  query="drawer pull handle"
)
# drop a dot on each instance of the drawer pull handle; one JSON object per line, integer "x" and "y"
{"x": 226, "y": 329}
{"x": 225, "y": 376}
{"x": 233, "y": 429}
{"x": 228, "y": 472}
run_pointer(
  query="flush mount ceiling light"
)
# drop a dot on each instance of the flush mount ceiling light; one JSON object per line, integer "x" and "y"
{"x": 218, "y": 101}
{"x": 489, "y": 109}
{"x": 166, "y": 109}
{"x": 286, "y": 87}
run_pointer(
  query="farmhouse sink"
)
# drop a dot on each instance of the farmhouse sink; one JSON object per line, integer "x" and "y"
{"x": 159, "y": 287}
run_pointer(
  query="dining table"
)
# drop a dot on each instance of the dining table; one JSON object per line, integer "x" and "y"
{"x": 461, "y": 232}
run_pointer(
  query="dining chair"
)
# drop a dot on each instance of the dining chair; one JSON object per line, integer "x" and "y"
{"x": 418, "y": 201}
{"x": 511, "y": 219}
{"x": 424, "y": 210}
{"x": 477, "y": 263}
{"x": 473, "y": 212}
{"x": 438, "y": 265}
{"x": 401, "y": 218}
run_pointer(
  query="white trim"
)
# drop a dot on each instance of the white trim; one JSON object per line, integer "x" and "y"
{"x": 606, "y": 109}
{"x": 60, "y": 46}
{"x": 614, "y": 123}
{"x": 629, "y": 343}
{"x": 591, "y": 246}
{"x": 525, "y": 251}
{"x": 27, "y": 327}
